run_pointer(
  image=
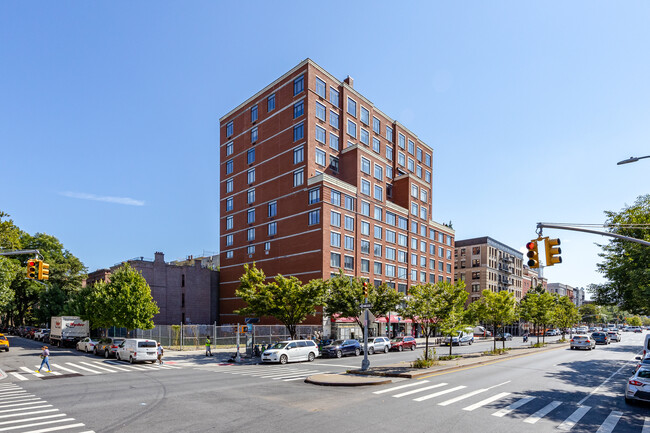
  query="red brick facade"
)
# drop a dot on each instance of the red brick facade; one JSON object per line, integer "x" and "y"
{"x": 366, "y": 180}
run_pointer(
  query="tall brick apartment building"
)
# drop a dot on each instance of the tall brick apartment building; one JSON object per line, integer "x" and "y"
{"x": 315, "y": 178}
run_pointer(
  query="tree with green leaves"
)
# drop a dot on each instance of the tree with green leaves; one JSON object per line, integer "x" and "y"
{"x": 590, "y": 313}
{"x": 496, "y": 309}
{"x": 124, "y": 302}
{"x": 440, "y": 305}
{"x": 565, "y": 314}
{"x": 343, "y": 295}
{"x": 626, "y": 265}
{"x": 634, "y": 321}
{"x": 287, "y": 300}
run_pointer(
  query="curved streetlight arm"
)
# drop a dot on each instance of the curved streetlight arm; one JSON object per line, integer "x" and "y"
{"x": 632, "y": 159}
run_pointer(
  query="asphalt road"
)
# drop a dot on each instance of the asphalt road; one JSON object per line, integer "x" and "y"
{"x": 202, "y": 395}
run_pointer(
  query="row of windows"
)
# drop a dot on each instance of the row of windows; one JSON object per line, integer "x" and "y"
{"x": 388, "y": 269}
{"x": 270, "y": 106}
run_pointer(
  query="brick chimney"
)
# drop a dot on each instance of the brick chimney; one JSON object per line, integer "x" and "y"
{"x": 159, "y": 257}
{"x": 349, "y": 81}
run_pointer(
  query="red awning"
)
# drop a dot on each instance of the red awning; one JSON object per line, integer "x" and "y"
{"x": 393, "y": 319}
{"x": 338, "y": 319}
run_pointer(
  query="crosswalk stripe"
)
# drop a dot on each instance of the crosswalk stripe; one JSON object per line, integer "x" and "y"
{"x": 11, "y": 393}
{"x": 574, "y": 418}
{"x": 301, "y": 377}
{"x": 45, "y": 430}
{"x": 462, "y": 397}
{"x": 272, "y": 374}
{"x": 302, "y": 374}
{"x": 56, "y": 373}
{"x": 24, "y": 403}
{"x": 127, "y": 366}
{"x": 27, "y": 370}
{"x": 18, "y": 400}
{"x": 120, "y": 368}
{"x": 83, "y": 368}
{"x": 610, "y": 422}
{"x": 414, "y": 391}
{"x": 542, "y": 412}
{"x": 15, "y": 397}
{"x": 395, "y": 388}
{"x": 99, "y": 367}
{"x": 29, "y": 413}
{"x": 513, "y": 406}
{"x": 439, "y": 393}
{"x": 36, "y": 424}
{"x": 32, "y": 419}
{"x": 486, "y": 401}
{"x": 646, "y": 425}
{"x": 23, "y": 409}
{"x": 60, "y": 367}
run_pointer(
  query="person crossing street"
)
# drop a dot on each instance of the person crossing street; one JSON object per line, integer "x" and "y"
{"x": 208, "y": 350}
{"x": 45, "y": 356}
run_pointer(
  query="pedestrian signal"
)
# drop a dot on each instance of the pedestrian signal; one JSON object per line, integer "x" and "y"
{"x": 552, "y": 251}
{"x": 532, "y": 254}
{"x": 32, "y": 269}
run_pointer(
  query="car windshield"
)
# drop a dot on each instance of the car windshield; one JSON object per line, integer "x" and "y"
{"x": 397, "y": 339}
{"x": 645, "y": 374}
{"x": 337, "y": 342}
{"x": 279, "y": 345}
{"x": 146, "y": 344}
{"x": 118, "y": 341}
{"x": 579, "y": 337}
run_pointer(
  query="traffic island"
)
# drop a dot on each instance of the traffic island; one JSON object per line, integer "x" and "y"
{"x": 347, "y": 379}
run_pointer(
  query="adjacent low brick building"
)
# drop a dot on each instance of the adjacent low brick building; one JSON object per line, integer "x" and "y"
{"x": 187, "y": 292}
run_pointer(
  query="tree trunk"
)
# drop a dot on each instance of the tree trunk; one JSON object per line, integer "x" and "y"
{"x": 494, "y": 337}
{"x": 537, "y": 332}
{"x": 544, "y": 333}
{"x": 451, "y": 343}
{"x": 426, "y": 343}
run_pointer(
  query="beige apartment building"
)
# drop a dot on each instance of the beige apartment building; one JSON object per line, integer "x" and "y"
{"x": 485, "y": 263}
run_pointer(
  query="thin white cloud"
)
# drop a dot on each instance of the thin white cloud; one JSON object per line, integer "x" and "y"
{"x": 118, "y": 200}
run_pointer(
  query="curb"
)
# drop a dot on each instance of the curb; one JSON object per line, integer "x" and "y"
{"x": 344, "y": 380}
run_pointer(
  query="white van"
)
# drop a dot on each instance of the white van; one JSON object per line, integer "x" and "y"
{"x": 137, "y": 350}
{"x": 646, "y": 346}
{"x": 290, "y": 351}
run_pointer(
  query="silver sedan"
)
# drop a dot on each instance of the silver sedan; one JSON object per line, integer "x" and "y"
{"x": 638, "y": 386}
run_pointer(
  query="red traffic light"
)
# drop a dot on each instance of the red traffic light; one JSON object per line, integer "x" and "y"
{"x": 531, "y": 245}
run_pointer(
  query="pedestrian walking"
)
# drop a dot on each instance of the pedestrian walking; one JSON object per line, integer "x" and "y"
{"x": 208, "y": 350}
{"x": 45, "y": 356}
{"x": 160, "y": 351}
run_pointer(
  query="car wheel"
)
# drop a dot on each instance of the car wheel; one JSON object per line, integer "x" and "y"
{"x": 86, "y": 349}
{"x": 283, "y": 359}
{"x": 471, "y": 342}
{"x": 401, "y": 348}
{"x": 371, "y": 350}
{"x": 117, "y": 356}
{"x": 357, "y": 352}
{"x": 385, "y": 349}
{"x": 339, "y": 354}
{"x": 131, "y": 359}
{"x": 413, "y": 347}
{"x": 628, "y": 400}
{"x": 95, "y": 351}
{"x": 106, "y": 355}
{"x": 311, "y": 357}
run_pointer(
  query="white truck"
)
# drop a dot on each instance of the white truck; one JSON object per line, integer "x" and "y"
{"x": 67, "y": 330}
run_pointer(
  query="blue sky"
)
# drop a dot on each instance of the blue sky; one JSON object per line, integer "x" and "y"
{"x": 109, "y": 111}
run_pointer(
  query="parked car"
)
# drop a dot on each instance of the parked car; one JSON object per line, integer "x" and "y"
{"x": 643, "y": 362}
{"x": 40, "y": 334}
{"x": 636, "y": 329}
{"x": 504, "y": 337}
{"x": 583, "y": 342}
{"x": 137, "y": 350}
{"x": 614, "y": 336}
{"x": 290, "y": 351}
{"x": 340, "y": 348}
{"x": 376, "y": 344}
{"x": 86, "y": 344}
{"x": 601, "y": 337}
{"x": 552, "y": 332}
{"x": 401, "y": 343}
{"x": 638, "y": 386}
{"x": 107, "y": 346}
{"x": 4, "y": 343}
{"x": 582, "y": 330}
{"x": 459, "y": 339}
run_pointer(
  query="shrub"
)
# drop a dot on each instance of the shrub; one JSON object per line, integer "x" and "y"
{"x": 449, "y": 357}
{"x": 421, "y": 362}
{"x": 499, "y": 351}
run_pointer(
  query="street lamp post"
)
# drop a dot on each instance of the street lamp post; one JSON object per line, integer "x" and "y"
{"x": 632, "y": 159}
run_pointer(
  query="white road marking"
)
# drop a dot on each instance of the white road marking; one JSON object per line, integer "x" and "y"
{"x": 646, "y": 425}
{"x": 29, "y": 413}
{"x": 462, "y": 397}
{"x": 486, "y": 401}
{"x": 302, "y": 377}
{"x": 301, "y": 374}
{"x": 395, "y": 388}
{"x": 60, "y": 367}
{"x": 542, "y": 412}
{"x": 337, "y": 365}
{"x": 56, "y": 428}
{"x": 18, "y": 400}
{"x": 27, "y": 370}
{"x": 83, "y": 368}
{"x": 574, "y": 418}
{"x": 25, "y": 403}
{"x": 37, "y": 424}
{"x": 602, "y": 384}
{"x": 23, "y": 409}
{"x": 436, "y": 394}
{"x": 32, "y": 419}
{"x": 414, "y": 391}
{"x": 56, "y": 373}
{"x": 112, "y": 366}
{"x": 610, "y": 422}
{"x": 99, "y": 367}
{"x": 15, "y": 397}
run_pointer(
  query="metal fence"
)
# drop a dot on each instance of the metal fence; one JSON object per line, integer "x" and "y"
{"x": 192, "y": 337}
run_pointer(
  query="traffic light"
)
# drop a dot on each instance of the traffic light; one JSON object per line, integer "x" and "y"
{"x": 552, "y": 251}
{"x": 365, "y": 289}
{"x": 532, "y": 254}
{"x": 43, "y": 270}
{"x": 32, "y": 271}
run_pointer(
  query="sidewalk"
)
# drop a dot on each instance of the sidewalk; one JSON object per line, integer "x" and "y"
{"x": 380, "y": 375}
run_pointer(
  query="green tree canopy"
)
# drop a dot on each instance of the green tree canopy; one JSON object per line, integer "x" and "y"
{"x": 287, "y": 300}
{"x": 565, "y": 314}
{"x": 626, "y": 265}
{"x": 590, "y": 313}
{"x": 496, "y": 309}
{"x": 344, "y": 294}
{"x": 634, "y": 321}
{"x": 440, "y": 304}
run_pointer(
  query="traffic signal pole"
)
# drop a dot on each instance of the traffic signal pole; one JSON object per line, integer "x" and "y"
{"x": 541, "y": 226}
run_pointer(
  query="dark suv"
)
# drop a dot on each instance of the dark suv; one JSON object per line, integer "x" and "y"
{"x": 341, "y": 348}
{"x": 107, "y": 347}
{"x": 601, "y": 338}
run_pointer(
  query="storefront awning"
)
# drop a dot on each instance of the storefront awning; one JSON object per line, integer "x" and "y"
{"x": 393, "y": 319}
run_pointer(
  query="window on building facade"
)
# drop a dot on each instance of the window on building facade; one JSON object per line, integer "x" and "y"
{"x": 365, "y": 246}
{"x": 250, "y": 234}
{"x": 272, "y": 229}
{"x": 314, "y": 195}
{"x": 334, "y": 163}
{"x": 229, "y": 240}
{"x": 334, "y": 141}
{"x": 378, "y": 232}
{"x": 250, "y": 155}
{"x": 377, "y": 268}
{"x": 365, "y": 265}
{"x": 390, "y": 253}
{"x": 365, "y": 116}
{"x": 270, "y": 103}
{"x": 254, "y": 113}
{"x": 401, "y": 159}
{"x": 335, "y": 260}
{"x": 377, "y": 250}
{"x": 320, "y": 87}
{"x": 335, "y": 198}
{"x": 365, "y": 187}
{"x": 390, "y": 270}
{"x": 411, "y": 149}
{"x": 298, "y": 132}
{"x": 334, "y": 96}
{"x": 273, "y": 209}
{"x": 378, "y": 213}
{"x": 229, "y": 223}
{"x": 321, "y": 111}
{"x": 229, "y": 254}
{"x": 298, "y": 177}
{"x": 349, "y": 203}
{"x": 348, "y": 262}
{"x": 229, "y": 166}
{"x": 390, "y": 236}
{"x": 334, "y": 120}
{"x": 229, "y": 128}
{"x": 298, "y": 109}
{"x": 335, "y": 239}
{"x": 376, "y": 145}
{"x": 349, "y": 243}
{"x": 250, "y": 216}
{"x": 298, "y": 85}
{"x": 379, "y": 172}
{"x": 365, "y": 207}
{"x": 364, "y": 137}
{"x": 349, "y": 223}
{"x": 389, "y": 134}
{"x": 250, "y": 196}
{"x": 411, "y": 165}
{"x": 321, "y": 157}
{"x": 251, "y": 176}
{"x": 401, "y": 140}
{"x": 365, "y": 228}
{"x": 352, "y": 107}
{"x": 379, "y": 193}
{"x": 335, "y": 219}
{"x": 352, "y": 129}
{"x": 229, "y": 204}
{"x": 298, "y": 155}
{"x": 229, "y": 149}
{"x": 229, "y": 185}
{"x": 314, "y": 217}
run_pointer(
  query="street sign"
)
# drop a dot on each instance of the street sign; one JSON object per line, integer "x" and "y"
{"x": 366, "y": 305}
{"x": 251, "y": 320}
